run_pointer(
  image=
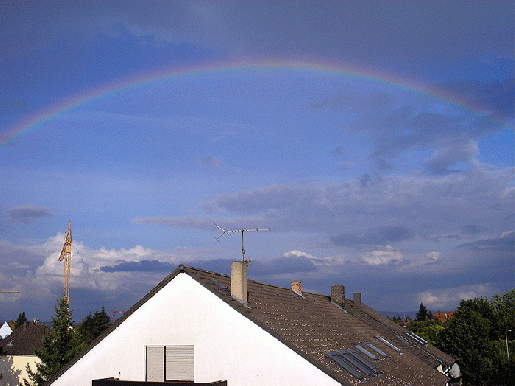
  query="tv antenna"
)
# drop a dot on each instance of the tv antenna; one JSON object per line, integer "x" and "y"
{"x": 230, "y": 232}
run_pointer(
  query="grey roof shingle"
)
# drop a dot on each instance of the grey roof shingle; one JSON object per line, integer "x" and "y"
{"x": 313, "y": 326}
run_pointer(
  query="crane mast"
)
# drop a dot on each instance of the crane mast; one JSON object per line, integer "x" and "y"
{"x": 66, "y": 257}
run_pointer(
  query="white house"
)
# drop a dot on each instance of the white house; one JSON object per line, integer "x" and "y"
{"x": 204, "y": 327}
{"x": 17, "y": 351}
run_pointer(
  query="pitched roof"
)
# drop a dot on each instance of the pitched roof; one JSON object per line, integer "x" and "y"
{"x": 443, "y": 316}
{"x": 5, "y": 330}
{"x": 24, "y": 340}
{"x": 314, "y": 327}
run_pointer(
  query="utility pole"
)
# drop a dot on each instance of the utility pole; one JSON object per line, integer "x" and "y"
{"x": 66, "y": 256}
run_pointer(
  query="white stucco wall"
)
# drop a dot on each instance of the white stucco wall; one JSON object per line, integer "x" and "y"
{"x": 13, "y": 368}
{"x": 228, "y": 346}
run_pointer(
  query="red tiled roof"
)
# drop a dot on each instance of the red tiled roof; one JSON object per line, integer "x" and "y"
{"x": 443, "y": 316}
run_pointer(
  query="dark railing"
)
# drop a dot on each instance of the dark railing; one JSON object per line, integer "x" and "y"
{"x": 118, "y": 382}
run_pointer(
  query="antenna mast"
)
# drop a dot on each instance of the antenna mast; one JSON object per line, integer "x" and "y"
{"x": 230, "y": 232}
{"x": 66, "y": 256}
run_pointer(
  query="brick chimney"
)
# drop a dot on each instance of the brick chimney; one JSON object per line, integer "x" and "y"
{"x": 296, "y": 287}
{"x": 357, "y": 298}
{"x": 338, "y": 295}
{"x": 239, "y": 280}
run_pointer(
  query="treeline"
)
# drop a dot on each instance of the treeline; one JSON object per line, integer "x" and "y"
{"x": 65, "y": 341}
{"x": 480, "y": 336}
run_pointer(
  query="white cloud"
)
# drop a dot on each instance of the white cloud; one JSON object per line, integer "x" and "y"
{"x": 382, "y": 256}
{"x": 433, "y": 256}
{"x": 318, "y": 261}
{"x": 88, "y": 268}
{"x": 449, "y": 298}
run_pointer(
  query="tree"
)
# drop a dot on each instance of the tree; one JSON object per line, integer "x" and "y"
{"x": 466, "y": 337}
{"x": 21, "y": 319}
{"x": 429, "y": 330}
{"x": 93, "y": 325}
{"x": 59, "y": 346}
{"x": 504, "y": 313}
{"x": 423, "y": 314}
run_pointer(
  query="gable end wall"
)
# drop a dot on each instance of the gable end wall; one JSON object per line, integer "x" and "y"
{"x": 227, "y": 345}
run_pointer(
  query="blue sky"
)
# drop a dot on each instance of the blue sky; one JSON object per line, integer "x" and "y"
{"x": 375, "y": 140}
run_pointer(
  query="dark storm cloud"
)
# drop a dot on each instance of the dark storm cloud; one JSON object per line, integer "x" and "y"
{"x": 28, "y": 214}
{"x": 451, "y": 139}
{"x": 471, "y": 229}
{"x": 267, "y": 198}
{"x": 345, "y": 210}
{"x": 400, "y": 126}
{"x": 283, "y": 265}
{"x": 500, "y": 246}
{"x": 17, "y": 260}
{"x": 139, "y": 266}
{"x": 278, "y": 266}
{"x": 375, "y": 236}
{"x": 448, "y": 155}
{"x": 497, "y": 98}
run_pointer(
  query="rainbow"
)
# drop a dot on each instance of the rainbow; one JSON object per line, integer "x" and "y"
{"x": 77, "y": 101}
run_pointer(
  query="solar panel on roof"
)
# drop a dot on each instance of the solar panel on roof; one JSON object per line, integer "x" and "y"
{"x": 389, "y": 344}
{"x": 363, "y": 361}
{"x": 339, "y": 359}
{"x": 366, "y": 352}
{"x": 377, "y": 350}
{"x": 348, "y": 357}
{"x": 415, "y": 337}
{"x": 219, "y": 285}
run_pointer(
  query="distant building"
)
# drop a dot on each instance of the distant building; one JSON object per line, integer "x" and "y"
{"x": 207, "y": 328}
{"x": 443, "y": 316}
{"x": 5, "y": 330}
{"x": 17, "y": 350}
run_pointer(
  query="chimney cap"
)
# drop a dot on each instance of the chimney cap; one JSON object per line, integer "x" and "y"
{"x": 296, "y": 286}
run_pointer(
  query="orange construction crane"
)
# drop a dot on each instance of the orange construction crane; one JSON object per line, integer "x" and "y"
{"x": 66, "y": 256}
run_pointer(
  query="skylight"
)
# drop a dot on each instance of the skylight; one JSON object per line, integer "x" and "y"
{"x": 416, "y": 338}
{"x": 389, "y": 344}
{"x": 377, "y": 350}
{"x": 353, "y": 363}
{"x": 366, "y": 352}
{"x": 343, "y": 363}
{"x": 218, "y": 284}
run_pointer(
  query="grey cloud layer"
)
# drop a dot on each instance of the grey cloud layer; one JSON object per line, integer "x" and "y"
{"x": 446, "y": 204}
{"x": 28, "y": 214}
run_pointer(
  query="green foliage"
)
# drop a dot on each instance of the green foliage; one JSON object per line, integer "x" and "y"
{"x": 93, "y": 325}
{"x": 21, "y": 319}
{"x": 59, "y": 346}
{"x": 476, "y": 338}
{"x": 423, "y": 314}
{"x": 428, "y": 330}
{"x": 504, "y": 309}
